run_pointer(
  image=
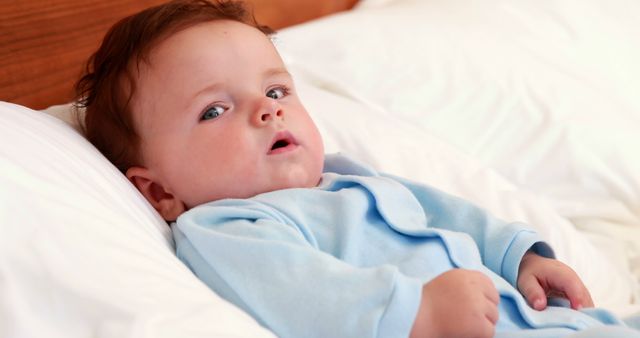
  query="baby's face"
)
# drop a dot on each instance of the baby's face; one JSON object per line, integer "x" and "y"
{"x": 219, "y": 117}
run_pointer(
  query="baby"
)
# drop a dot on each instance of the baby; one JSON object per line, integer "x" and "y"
{"x": 192, "y": 102}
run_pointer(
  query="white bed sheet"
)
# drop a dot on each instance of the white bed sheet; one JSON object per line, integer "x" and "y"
{"x": 546, "y": 94}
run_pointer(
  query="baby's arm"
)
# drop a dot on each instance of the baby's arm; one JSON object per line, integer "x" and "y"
{"x": 540, "y": 277}
{"x": 254, "y": 257}
{"x": 454, "y": 297}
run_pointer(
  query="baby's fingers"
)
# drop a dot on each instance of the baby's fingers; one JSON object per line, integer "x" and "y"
{"x": 533, "y": 292}
{"x": 578, "y": 295}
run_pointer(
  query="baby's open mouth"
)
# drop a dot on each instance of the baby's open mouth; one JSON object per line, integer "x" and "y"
{"x": 283, "y": 141}
{"x": 280, "y": 144}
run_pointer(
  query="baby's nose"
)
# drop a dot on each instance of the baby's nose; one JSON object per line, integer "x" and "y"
{"x": 267, "y": 110}
{"x": 271, "y": 115}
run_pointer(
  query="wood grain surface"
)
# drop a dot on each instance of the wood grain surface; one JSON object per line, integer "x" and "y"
{"x": 44, "y": 44}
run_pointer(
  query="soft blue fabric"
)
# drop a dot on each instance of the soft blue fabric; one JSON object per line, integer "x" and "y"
{"x": 633, "y": 321}
{"x": 349, "y": 257}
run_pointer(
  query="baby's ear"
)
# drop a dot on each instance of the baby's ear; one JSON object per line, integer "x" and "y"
{"x": 164, "y": 202}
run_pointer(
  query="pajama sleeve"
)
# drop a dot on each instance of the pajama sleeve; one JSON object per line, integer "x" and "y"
{"x": 501, "y": 244}
{"x": 259, "y": 260}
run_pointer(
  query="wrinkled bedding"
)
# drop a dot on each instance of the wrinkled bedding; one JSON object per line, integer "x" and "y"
{"x": 529, "y": 109}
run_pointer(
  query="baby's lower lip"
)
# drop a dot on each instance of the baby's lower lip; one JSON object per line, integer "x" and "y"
{"x": 287, "y": 148}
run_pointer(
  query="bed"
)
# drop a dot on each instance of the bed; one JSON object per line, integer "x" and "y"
{"x": 528, "y": 108}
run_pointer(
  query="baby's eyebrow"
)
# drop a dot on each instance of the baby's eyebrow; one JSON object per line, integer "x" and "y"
{"x": 276, "y": 71}
{"x": 267, "y": 73}
{"x": 206, "y": 89}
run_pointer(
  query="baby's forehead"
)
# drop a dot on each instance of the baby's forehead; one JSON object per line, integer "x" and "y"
{"x": 198, "y": 56}
{"x": 192, "y": 40}
{"x": 218, "y": 31}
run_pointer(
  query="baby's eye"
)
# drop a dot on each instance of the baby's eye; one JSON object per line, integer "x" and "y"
{"x": 212, "y": 113}
{"x": 277, "y": 93}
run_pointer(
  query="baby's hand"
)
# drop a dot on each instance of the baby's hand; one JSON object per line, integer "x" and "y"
{"x": 458, "y": 303}
{"x": 540, "y": 277}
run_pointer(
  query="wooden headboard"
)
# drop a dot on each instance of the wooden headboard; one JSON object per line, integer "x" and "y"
{"x": 44, "y": 44}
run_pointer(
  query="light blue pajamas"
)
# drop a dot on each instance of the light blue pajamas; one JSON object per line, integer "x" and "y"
{"x": 349, "y": 257}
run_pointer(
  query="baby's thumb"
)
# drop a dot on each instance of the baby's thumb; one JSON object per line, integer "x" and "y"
{"x": 533, "y": 292}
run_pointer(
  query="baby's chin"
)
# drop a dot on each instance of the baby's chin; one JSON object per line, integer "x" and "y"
{"x": 297, "y": 178}
{"x": 292, "y": 182}
{"x": 286, "y": 185}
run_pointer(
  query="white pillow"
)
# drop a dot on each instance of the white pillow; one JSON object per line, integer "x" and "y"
{"x": 545, "y": 92}
{"x": 81, "y": 252}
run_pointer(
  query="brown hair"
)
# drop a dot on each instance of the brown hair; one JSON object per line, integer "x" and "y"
{"x": 106, "y": 88}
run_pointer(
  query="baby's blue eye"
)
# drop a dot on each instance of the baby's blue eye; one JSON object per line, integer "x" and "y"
{"x": 212, "y": 113}
{"x": 277, "y": 93}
